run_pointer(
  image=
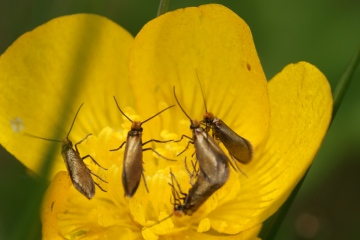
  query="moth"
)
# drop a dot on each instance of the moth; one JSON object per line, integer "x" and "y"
{"x": 133, "y": 154}
{"x": 237, "y": 146}
{"x": 80, "y": 174}
{"x": 213, "y": 167}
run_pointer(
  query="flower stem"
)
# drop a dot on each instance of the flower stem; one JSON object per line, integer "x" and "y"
{"x": 29, "y": 225}
{"x": 163, "y": 7}
{"x": 272, "y": 225}
{"x": 344, "y": 81}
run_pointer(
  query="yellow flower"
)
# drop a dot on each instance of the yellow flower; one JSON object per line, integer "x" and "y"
{"x": 49, "y": 72}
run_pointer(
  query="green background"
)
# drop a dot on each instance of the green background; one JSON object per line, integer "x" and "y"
{"x": 325, "y": 33}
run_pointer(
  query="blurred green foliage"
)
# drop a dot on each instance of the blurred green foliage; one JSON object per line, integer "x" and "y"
{"x": 325, "y": 33}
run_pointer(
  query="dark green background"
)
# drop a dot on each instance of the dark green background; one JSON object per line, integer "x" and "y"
{"x": 325, "y": 33}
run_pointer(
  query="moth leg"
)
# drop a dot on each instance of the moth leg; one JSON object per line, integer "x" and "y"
{"x": 76, "y": 148}
{"x": 100, "y": 187}
{"x": 192, "y": 174}
{"x": 207, "y": 126}
{"x": 187, "y": 146}
{"x": 236, "y": 167}
{"x": 158, "y": 141}
{"x": 89, "y": 156}
{"x": 176, "y": 194}
{"x": 187, "y": 168}
{"x": 182, "y": 137}
{"x": 97, "y": 183}
{"x": 98, "y": 177}
{"x": 169, "y": 159}
{"x": 147, "y": 189}
{"x": 118, "y": 147}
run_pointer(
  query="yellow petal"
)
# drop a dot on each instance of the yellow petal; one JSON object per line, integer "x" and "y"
{"x": 47, "y": 73}
{"x": 68, "y": 214}
{"x": 54, "y": 201}
{"x": 249, "y": 234}
{"x": 216, "y": 45}
{"x": 301, "y": 106}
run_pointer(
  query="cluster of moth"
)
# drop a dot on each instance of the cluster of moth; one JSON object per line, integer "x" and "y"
{"x": 213, "y": 164}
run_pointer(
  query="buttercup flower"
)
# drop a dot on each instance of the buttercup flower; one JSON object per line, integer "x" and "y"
{"x": 48, "y": 72}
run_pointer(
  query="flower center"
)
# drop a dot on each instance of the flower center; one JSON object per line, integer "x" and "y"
{"x": 150, "y": 211}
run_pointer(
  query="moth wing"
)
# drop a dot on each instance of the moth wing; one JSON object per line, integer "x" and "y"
{"x": 238, "y": 147}
{"x": 212, "y": 160}
{"x": 132, "y": 166}
{"x": 79, "y": 173}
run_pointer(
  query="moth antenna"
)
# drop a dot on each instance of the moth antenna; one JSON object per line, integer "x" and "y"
{"x": 121, "y": 110}
{"x": 156, "y": 114}
{"x": 67, "y": 136}
{"x": 202, "y": 91}
{"x": 181, "y": 106}
{"x": 47, "y": 139}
